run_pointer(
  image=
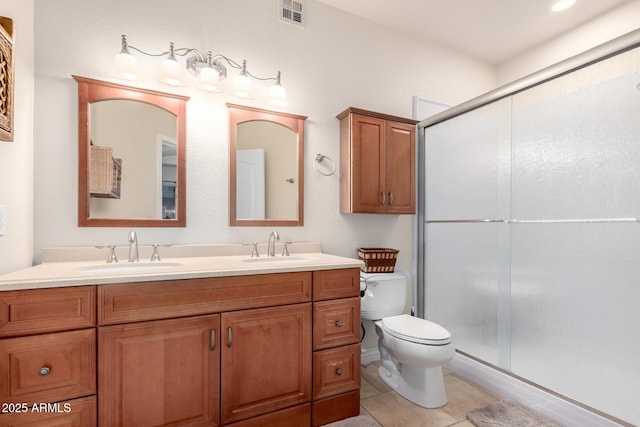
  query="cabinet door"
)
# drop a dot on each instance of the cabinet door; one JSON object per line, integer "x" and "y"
{"x": 400, "y": 168}
{"x": 160, "y": 373}
{"x": 266, "y": 360}
{"x": 367, "y": 162}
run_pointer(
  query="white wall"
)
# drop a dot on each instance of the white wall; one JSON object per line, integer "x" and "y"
{"x": 336, "y": 62}
{"x": 615, "y": 23}
{"x": 16, "y": 158}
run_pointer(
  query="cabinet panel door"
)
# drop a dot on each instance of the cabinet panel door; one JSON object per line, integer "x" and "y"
{"x": 266, "y": 360}
{"x": 160, "y": 373}
{"x": 400, "y": 168}
{"x": 367, "y": 164}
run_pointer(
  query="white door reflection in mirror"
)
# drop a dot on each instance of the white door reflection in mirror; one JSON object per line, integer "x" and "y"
{"x": 250, "y": 182}
{"x": 168, "y": 151}
{"x": 279, "y": 145}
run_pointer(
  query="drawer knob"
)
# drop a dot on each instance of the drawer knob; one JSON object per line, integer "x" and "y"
{"x": 339, "y": 371}
{"x": 44, "y": 371}
{"x": 339, "y": 324}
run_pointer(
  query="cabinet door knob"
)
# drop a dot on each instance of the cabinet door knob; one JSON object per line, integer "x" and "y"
{"x": 213, "y": 340}
{"x": 44, "y": 371}
{"x": 229, "y": 338}
{"x": 339, "y": 324}
{"x": 339, "y": 371}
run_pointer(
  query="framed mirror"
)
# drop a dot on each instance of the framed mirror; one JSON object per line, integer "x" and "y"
{"x": 131, "y": 156}
{"x": 266, "y": 182}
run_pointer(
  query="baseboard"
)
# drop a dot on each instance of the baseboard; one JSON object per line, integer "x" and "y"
{"x": 507, "y": 386}
{"x": 369, "y": 355}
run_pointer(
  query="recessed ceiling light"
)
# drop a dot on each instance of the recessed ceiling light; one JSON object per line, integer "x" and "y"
{"x": 561, "y": 5}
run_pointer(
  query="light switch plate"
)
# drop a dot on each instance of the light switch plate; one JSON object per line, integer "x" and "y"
{"x": 3, "y": 220}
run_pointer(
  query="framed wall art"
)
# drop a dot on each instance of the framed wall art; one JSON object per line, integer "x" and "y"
{"x": 6, "y": 79}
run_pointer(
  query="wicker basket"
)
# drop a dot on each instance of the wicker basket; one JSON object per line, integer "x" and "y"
{"x": 378, "y": 260}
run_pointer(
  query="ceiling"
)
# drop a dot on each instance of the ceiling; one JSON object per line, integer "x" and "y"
{"x": 490, "y": 30}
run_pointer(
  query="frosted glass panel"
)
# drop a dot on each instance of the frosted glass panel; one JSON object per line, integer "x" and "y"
{"x": 468, "y": 163}
{"x": 466, "y": 275}
{"x": 575, "y": 296}
{"x": 576, "y": 144}
{"x": 549, "y": 294}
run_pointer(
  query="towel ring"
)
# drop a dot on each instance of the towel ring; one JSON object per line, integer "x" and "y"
{"x": 324, "y": 165}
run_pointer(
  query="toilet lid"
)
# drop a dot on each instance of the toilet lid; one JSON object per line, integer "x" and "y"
{"x": 416, "y": 330}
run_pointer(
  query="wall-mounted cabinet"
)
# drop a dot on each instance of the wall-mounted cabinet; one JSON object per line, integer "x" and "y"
{"x": 377, "y": 163}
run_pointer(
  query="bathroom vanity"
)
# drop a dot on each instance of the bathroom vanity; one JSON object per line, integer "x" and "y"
{"x": 201, "y": 341}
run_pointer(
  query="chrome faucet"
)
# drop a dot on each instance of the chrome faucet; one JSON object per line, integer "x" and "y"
{"x": 133, "y": 247}
{"x": 271, "y": 244}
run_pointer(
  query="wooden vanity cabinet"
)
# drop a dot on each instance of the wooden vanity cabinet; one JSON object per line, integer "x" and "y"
{"x": 377, "y": 163}
{"x": 276, "y": 350}
{"x": 48, "y": 357}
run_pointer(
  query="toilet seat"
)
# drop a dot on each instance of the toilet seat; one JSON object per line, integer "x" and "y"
{"x": 415, "y": 329}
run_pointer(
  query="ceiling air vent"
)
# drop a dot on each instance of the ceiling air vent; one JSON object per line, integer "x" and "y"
{"x": 292, "y": 12}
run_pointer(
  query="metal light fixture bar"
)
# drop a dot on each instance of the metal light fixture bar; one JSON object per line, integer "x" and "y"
{"x": 209, "y": 69}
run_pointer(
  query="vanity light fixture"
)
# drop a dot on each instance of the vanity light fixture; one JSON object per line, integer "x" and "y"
{"x": 209, "y": 70}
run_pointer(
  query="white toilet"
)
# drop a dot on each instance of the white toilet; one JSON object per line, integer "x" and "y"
{"x": 412, "y": 350}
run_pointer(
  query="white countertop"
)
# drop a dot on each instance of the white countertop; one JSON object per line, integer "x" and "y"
{"x": 62, "y": 273}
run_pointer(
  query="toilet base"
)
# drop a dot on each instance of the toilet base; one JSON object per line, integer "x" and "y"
{"x": 422, "y": 386}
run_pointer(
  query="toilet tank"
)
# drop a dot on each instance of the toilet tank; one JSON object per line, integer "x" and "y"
{"x": 385, "y": 294}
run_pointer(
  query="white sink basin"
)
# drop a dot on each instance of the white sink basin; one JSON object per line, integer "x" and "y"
{"x": 277, "y": 260}
{"x": 129, "y": 267}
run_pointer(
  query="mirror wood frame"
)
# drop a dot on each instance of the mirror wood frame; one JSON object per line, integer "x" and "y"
{"x": 91, "y": 90}
{"x": 239, "y": 114}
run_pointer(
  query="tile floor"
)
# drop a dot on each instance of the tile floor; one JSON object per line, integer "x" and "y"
{"x": 391, "y": 410}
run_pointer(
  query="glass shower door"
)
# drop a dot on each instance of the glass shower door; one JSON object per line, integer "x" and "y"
{"x": 467, "y": 237}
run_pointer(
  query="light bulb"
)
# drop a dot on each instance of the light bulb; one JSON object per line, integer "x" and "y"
{"x": 171, "y": 72}
{"x": 125, "y": 66}
{"x": 277, "y": 96}
{"x": 208, "y": 79}
{"x": 242, "y": 86}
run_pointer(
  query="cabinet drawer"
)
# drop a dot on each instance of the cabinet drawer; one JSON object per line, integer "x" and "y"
{"x": 77, "y": 412}
{"x": 336, "y": 371}
{"x": 48, "y": 368}
{"x": 336, "y": 323}
{"x": 132, "y": 302}
{"x": 47, "y": 310}
{"x": 331, "y": 284}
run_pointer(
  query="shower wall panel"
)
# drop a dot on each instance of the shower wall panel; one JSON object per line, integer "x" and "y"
{"x": 576, "y": 144}
{"x": 574, "y": 301}
{"x": 468, "y": 164}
